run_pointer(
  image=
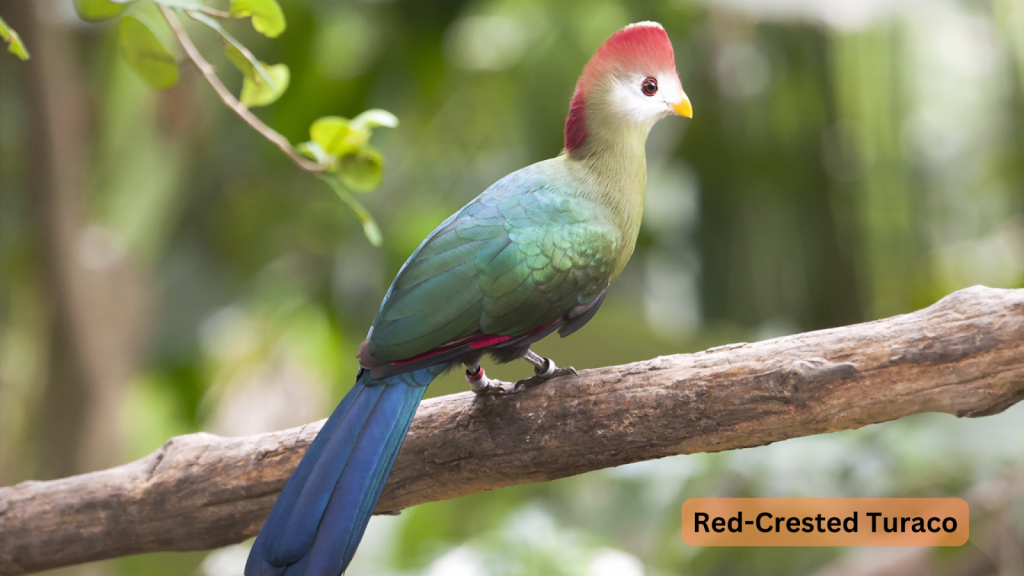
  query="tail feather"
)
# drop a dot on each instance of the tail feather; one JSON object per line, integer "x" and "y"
{"x": 357, "y": 492}
{"x": 321, "y": 514}
{"x": 261, "y": 561}
{"x": 368, "y": 411}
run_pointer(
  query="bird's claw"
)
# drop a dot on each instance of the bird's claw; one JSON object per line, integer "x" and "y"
{"x": 489, "y": 388}
{"x": 481, "y": 385}
{"x": 549, "y": 370}
{"x": 543, "y": 374}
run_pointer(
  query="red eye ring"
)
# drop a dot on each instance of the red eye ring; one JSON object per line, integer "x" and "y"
{"x": 649, "y": 86}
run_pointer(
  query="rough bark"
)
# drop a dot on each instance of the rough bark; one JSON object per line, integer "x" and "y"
{"x": 963, "y": 356}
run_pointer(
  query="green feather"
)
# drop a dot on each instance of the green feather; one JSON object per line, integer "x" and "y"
{"x": 523, "y": 254}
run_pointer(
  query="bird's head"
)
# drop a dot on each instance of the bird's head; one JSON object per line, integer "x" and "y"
{"x": 629, "y": 83}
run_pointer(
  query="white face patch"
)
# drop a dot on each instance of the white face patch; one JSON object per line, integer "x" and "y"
{"x": 627, "y": 98}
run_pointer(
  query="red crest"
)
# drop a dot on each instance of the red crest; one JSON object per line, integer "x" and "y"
{"x": 643, "y": 48}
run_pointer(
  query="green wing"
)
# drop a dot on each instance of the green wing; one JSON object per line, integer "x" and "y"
{"x": 518, "y": 257}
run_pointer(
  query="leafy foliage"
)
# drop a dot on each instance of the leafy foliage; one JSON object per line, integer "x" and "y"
{"x": 239, "y": 50}
{"x": 14, "y": 44}
{"x": 339, "y": 136}
{"x": 362, "y": 170}
{"x": 347, "y": 161}
{"x": 332, "y": 133}
{"x": 145, "y": 54}
{"x": 342, "y": 145}
{"x": 262, "y": 83}
{"x": 257, "y": 92}
{"x": 100, "y": 10}
{"x": 267, "y": 17}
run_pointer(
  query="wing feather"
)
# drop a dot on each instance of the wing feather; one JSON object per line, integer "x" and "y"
{"x": 520, "y": 256}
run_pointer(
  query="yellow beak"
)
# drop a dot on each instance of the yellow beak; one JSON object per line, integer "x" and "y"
{"x": 683, "y": 107}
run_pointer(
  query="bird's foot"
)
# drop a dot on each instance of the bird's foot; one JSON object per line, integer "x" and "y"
{"x": 544, "y": 373}
{"x": 481, "y": 385}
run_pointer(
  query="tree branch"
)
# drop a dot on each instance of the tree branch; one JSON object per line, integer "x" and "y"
{"x": 963, "y": 356}
{"x": 216, "y": 13}
{"x": 210, "y": 73}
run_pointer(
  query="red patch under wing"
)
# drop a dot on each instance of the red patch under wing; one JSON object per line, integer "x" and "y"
{"x": 475, "y": 341}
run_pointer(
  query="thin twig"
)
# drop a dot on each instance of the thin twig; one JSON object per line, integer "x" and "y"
{"x": 216, "y": 13}
{"x": 210, "y": 73}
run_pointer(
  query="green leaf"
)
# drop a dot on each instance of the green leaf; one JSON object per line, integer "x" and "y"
{"x": 312, "y": 150}
{"x": 375, "y": 117}
{"x": 144, "y": 53}
{"x": 370, "y": 228}
{"x": 267, "y": 17}
{"x": 256, "y": 64}
{"x": 339, "y": 136}
{"x": 256, "y": 92}
{"x": 335, "y": 135}
{"x": 14, "y": 44}
{"x": 363, "y": 170}
{"x": 100, "y": 10}
{"x": 236, "y": 57}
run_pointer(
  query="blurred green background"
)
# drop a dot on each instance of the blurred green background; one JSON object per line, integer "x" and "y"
{"x": 165, "y": 270}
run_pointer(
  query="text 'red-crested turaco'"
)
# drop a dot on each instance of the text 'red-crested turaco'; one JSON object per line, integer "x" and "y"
{"x": 533, "y": 254}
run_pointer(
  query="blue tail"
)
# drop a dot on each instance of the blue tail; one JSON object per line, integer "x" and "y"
{"x": 320, "y": 516}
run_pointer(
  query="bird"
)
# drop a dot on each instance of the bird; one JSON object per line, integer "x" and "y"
{"x": 532, "y": 254}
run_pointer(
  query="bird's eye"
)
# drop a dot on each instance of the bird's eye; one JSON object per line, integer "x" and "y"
{"x": 649, "y": 86}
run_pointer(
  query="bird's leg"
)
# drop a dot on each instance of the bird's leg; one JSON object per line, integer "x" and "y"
{"x": 480, "y": 384}
{"x": 543, "y": 369}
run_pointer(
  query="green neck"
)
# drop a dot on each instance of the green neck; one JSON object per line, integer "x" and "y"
{"x": 613, "y": 165}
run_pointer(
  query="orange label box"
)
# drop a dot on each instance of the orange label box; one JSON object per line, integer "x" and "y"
{"x": 825, "y": 522}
